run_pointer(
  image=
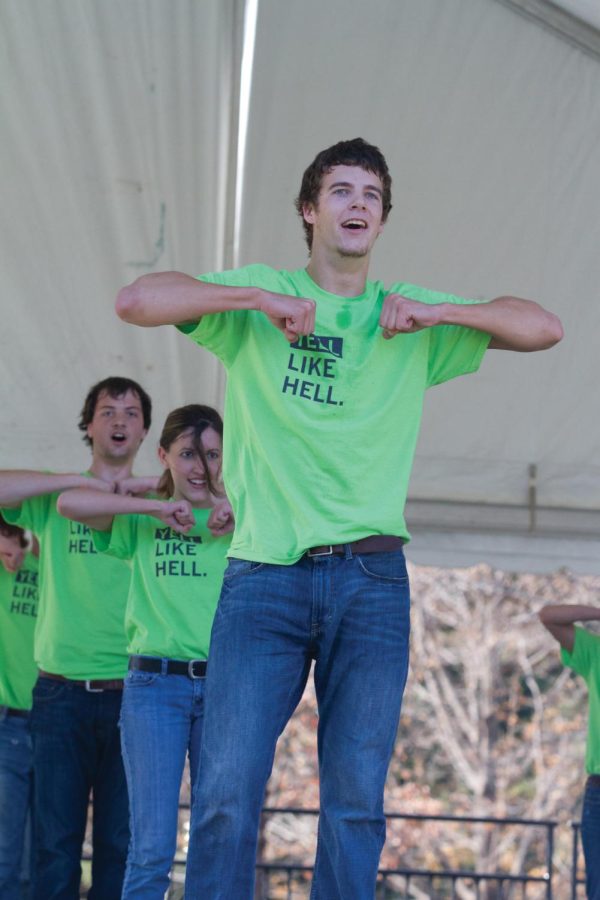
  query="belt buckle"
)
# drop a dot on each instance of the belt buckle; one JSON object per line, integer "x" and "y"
{"x": 326, "y": 552}
{"x": 191, "y": 670}
{"x": 92, "y": 690}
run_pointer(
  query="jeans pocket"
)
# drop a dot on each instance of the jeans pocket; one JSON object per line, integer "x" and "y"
{"x": 384, "y": 566}
{"x": 236, "y": 567}
{"x": 135, "y": 678}
{"x": 46, "y": 689}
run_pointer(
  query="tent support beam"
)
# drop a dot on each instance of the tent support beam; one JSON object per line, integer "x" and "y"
{"x": 577, "y": 32}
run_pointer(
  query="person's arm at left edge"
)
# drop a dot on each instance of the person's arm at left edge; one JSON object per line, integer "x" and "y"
{"x": 513, "y": 323}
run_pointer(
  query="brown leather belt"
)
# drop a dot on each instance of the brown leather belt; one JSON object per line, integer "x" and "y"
{"x": 93, "y": 685}
{"x": 374, "y": 543}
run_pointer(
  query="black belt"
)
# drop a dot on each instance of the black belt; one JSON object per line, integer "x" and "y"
{"x": 93, "y": 685}
{"x": 18, "y": 713}
{"x": 195, "y": 668}
{"x": 593, "y": 780}
{"x": 374, "y": 543}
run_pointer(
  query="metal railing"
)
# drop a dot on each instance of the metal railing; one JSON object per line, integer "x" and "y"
{"x": 291, "y": 881}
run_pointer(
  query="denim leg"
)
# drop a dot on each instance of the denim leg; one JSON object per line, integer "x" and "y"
{"x": 360, "y": 674}
{"x": 76, "y": 750}
{"x": 157, "y": 721}
{"x": 590, "y": 838}
{"x": 257, "y": 669}
{"x": 15, "y": 796}
{"x": 111, "y": 803}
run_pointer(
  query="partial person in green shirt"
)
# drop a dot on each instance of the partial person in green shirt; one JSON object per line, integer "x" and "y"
{"x": 580, "y": 651}
{"x": 327, "y": 372}
{"x": 80, "y": 649}
{"x": 18, "y": 672}
{"x": 176, "y": 549}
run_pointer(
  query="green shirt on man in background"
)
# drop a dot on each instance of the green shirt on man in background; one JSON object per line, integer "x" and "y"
{"x": 80, "y": 631}
{"x": 18, "y": 616}
{"x": 585, "y": 660}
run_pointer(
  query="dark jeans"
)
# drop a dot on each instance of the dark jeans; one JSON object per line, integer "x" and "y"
{"x": 76, "y": 749}
{"x": 590, "y": 837}
{"x": 15, "y": 802}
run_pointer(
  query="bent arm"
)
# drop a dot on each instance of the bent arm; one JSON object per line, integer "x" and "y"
{"x": 97, "y": 509}
{"x": 17, "y": 485}
{"x": 172, "y": 298}
{"x": 514, "y": 323}
{"x": 560, "y": 621}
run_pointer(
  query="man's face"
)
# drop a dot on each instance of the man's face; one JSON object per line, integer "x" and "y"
{"x": 11, "y": 553}
{"x": 347, "y": 217}
{"x": 117, "y": 427}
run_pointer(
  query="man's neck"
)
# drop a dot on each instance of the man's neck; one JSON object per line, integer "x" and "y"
{"x": 344, "y": 276}
{"x": 110, "y": 470}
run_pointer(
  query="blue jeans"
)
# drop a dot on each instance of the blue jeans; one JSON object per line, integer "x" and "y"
{"x": 76, "y": 749}
{"x": 590, "y": 838}
{"x": 161, "y": 721}
{"x": 350, "y": 614}
{"x": 15, "y": 804}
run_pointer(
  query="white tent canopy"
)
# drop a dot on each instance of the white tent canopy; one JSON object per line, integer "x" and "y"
{"x": 123, "y": 124}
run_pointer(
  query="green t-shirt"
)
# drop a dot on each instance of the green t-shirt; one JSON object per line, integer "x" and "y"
{"x": 80, "y": 631}
{"x": 175, "y": 583}
{"x": 18, "y": 615}
{"x": 320, "y": 435}
{"x": 585, "y": 660}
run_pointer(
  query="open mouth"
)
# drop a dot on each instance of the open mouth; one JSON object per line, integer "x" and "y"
{"x": 197, "y": 482}
{"x": 354, "y": 224}
{"x": 118, "y": 437}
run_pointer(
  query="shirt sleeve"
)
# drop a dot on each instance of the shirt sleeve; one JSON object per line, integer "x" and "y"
{"x": 32, "y": 513}
{"x": 121, "y": 540}
{"x": 453, "y": 349}
{"x": 222, "y": 333}
{"x": 586, "y": 650}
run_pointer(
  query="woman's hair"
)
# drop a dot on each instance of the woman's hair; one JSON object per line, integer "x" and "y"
{"x": 195, "y": 418}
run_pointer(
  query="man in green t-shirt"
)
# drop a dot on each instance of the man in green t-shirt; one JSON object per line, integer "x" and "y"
{"x": 18, "y": 612}
{"x": 580, "y": 651}
{"x": 81, "y": 651}
{"x": 326, "y": 376}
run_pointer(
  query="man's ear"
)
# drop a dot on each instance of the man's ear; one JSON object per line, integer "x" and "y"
{"x": 308, "y": 213}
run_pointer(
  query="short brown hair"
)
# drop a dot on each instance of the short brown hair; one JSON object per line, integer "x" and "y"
{"x": 114, "y": 387}
{"x": 356, "y": 152}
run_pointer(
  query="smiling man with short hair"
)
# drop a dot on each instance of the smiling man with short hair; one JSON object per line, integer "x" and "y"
{"x": 320, "y": 435}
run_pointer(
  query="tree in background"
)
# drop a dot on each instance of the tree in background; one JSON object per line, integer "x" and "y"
{"x": 492, "y": 725}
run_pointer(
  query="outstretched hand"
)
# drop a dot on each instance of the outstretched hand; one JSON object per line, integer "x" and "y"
{"x": 400, "y": 315}
{"x": 221, "y": 519}
{"x": 293, "y": 316}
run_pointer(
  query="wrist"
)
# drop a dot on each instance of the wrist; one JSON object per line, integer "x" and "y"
{"x": 449, "y": 313}
{"x": 257, "y": 298}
